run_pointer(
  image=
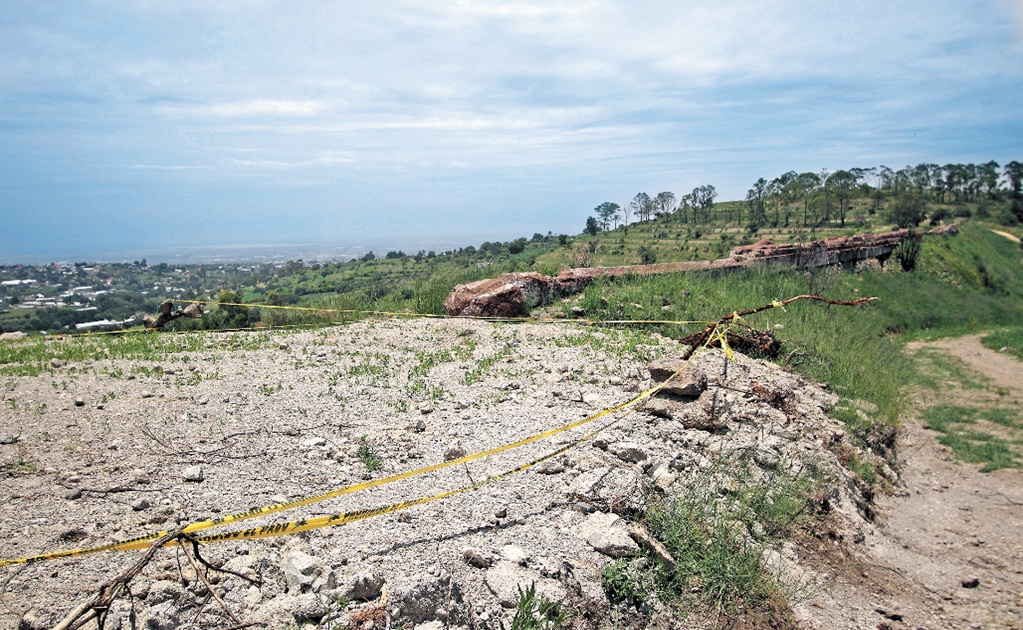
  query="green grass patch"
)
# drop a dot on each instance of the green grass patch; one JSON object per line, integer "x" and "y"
{"x": 717, "y": 534}
{"x": 957, "y": 424}
{"x": 1011, "y": 338}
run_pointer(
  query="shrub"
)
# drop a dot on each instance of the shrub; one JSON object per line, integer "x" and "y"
{"x": 907, "y": 253}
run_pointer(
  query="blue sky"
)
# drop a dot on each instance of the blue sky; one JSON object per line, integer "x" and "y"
{"x": 131, "y": 125}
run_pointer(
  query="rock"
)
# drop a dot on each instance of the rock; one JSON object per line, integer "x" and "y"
{"x": 417, "y": 427}
{"x": 766, "y": 457}
{"x": 79, "y": 402}
{"x": 514, "y": 553}
{"x": 550, "y": 467}
{"x": 661, "y": 408}
{"x": 425, "y": 408}
{"x": 56, "y": 363}
{"x": 971, "y": 583}
{"x": 163, "y": 591}
{"x": 304, "y": 573}
{"x": 454, "y": 453}
{"x": 314, "y": 442}
{"x": 423, "y": 598}
{"x": 505, "y": 578}
{"x": 690, "y": 382}
{"x": 72, "y": 494}
{"x": 194, "y": 474}
{"x": 662, "y": 475}
{"x": 8, "y": 438}
{"x": 642, "y": 535}
{"x": 628, "y": 452}
{"x": 606, "y": 533}
{"x": 141, "y": 504}
{"x": 363, "y": 587}
{"x": 162, "y": 617}
{"x": 591, "y": 398}
{"x": 32, "y": 620}
{"x": 476, "y": 559}
{"x": 12, "y": 336}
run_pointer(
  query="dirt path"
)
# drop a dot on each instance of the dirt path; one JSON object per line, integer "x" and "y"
{"x": 1006, "y": 235}
{"x": 948, "y": 549}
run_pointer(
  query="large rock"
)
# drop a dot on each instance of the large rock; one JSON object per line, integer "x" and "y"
{"x": 508, "y": 295}
{"x": 425, "y": 598}
{"x": 689, "y": 382}
{"x": 606, "y": 533}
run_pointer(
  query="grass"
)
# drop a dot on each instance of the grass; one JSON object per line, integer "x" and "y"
{"x": 718, "y": 532}
{"x": 958, "y": 426}
{"x": 1011, "y": 338}
{"x": 368, "y": 455}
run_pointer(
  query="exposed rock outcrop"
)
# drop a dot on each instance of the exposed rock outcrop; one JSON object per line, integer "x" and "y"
{"x": 514, "y": 294}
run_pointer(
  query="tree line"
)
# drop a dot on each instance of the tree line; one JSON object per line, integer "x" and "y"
{"x": 812, "y": 198}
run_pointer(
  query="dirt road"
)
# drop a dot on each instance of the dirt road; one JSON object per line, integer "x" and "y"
{"x": 947, "y": 550}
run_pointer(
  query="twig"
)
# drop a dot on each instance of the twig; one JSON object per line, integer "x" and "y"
{"x": 202, "y": 577}
{"x": 99, "y": 606}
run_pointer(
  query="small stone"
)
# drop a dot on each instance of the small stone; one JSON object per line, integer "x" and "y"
{"x": 766, "y": 458}
{"x": 315, "y": 441}
{"x": 689, "y": 381}
{"x": 591, "y": 398}
{"x": 56, "y": 363}
{"x": 971, "y": 583}
{"x": 79, "y": 402}
{"x": 292, "y": 431}
{"x": 605, "y": 533}
{"x": 8, "y": 438}
{"x": 454, "y": 453}
{"x": 628, "y": 452}
{"x": 425, "y": 408}
{"x": 141, "y": 504}
{"x": 72, "y": 494}
{"x": 194, "y": 474}
{"x": 501, "y": 512}
{"x": 476, "y": 559}
{"x": 418, "y": 426}
{"x": 550, "y": 467}
{"x": 404, "y": 517}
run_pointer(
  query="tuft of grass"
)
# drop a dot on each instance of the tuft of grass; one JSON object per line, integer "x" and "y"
{"x": 535, "y": 613}
{"x": 717, "y": 531}
{"x": 368, "y": 455}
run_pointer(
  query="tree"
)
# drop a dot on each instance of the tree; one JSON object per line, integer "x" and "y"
{"x": 664, "y": 204}
{"x": 592, "y": 226}
{"x": 806, "y": 186}
{"x": 908, "y": 211}
{"x": 641, "y": 206}
{"x": 1014, "y": 173}
{"x": 703, "y": 200}
{"x": 755, "y": 203}
{"x": 842, "y": 184}
{"x": 606, "y": 213}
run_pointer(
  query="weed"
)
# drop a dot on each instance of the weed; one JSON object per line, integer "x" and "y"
{"x": 535, "y": 613}
{"x": 368, "y": 455}
{"x": 716, "y": 531}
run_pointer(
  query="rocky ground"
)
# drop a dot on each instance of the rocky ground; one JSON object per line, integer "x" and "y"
{"x": 122, "y": 441}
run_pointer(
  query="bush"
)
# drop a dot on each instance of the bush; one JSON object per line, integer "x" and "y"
{"x": 907, "y": 253}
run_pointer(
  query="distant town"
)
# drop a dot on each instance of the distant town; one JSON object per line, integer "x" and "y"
{"x": 96, "y": 296}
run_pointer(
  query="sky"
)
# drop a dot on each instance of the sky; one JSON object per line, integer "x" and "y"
{"x": 129, "y": 126}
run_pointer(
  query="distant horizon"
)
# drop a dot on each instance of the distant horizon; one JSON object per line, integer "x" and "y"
{"x": 244, "y": 253}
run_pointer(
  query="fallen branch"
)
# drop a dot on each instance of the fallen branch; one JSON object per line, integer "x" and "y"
{"x": 702, "y": 338}
{"x": 98, "y": 607}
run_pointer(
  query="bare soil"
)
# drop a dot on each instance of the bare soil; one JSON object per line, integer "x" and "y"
{"x": 103, "y": 445}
